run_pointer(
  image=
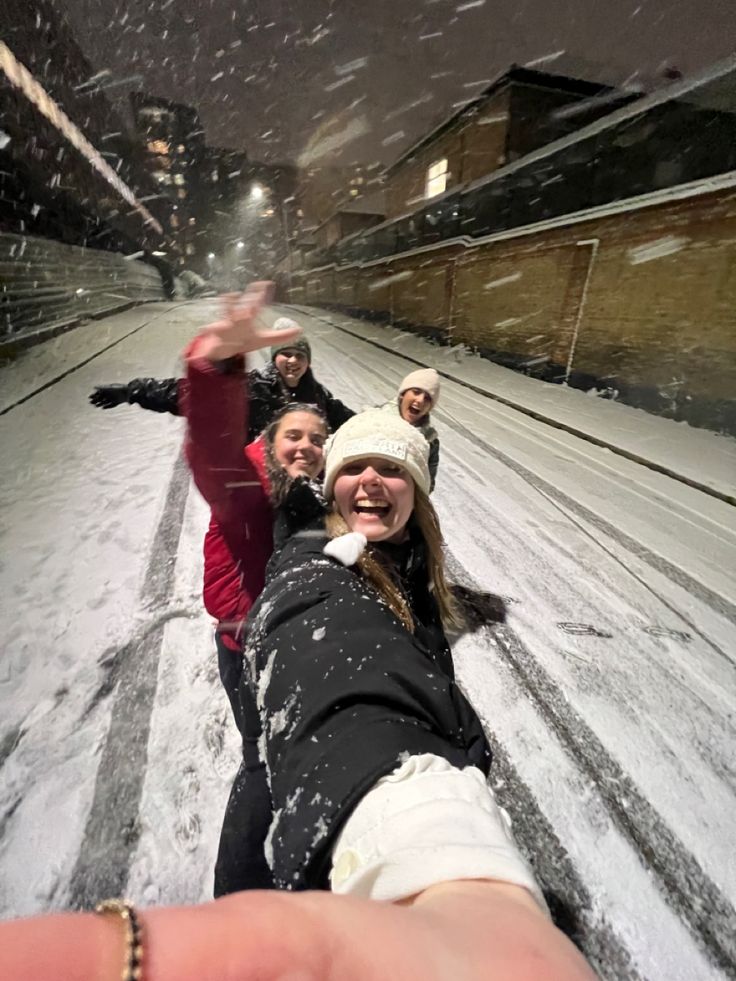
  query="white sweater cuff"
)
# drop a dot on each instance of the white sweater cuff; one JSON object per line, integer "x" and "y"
{"x": 427, "y": 822}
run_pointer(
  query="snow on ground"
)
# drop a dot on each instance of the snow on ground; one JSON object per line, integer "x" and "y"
{"x": 81, "y": 495}
{"x": 608, "y": 692}
{"x": 193, "y": 749}
{"x": 695, "y": 454}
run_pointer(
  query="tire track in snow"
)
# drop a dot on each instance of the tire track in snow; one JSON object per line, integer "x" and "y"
{"x": 112, "y": 829}
{"x": 569, "y": 900}
{"x": 719, "y": 604}
{"x": 689, "y": 891}
{"x": 524, "y": 409}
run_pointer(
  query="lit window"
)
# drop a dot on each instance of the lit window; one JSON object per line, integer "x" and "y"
{"x": 437, "y": 175}
{"x": 354, "y": 192}
{"x": 179, "y": 180}
{"x": 159, "y": 146}
{"x": 181, "y": 148}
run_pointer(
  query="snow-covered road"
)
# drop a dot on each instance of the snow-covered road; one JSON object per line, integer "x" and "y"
{"x": 608, "y": 692}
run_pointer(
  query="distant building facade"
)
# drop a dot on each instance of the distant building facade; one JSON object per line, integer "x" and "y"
{"x": 47, "y": 187}
{"x": 520, "y": 111}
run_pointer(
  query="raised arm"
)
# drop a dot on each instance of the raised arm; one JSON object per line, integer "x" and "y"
{"x": 215, "y": 401}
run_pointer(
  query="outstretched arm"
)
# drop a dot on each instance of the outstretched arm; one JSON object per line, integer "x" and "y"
{"x": 467, "y": 931}
{"x": 155, "y": 394}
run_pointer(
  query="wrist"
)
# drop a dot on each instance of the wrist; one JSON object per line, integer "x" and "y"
{"x": 214, "y": 348}
{"x": 75, "y": 946}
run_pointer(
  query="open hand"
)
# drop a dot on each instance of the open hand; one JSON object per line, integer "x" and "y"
{"x": 237, "y": 332}
{"x": 108, "y": 396}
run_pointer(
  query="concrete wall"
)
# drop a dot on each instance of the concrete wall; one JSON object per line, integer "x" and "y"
{"x": 652, "y": 293}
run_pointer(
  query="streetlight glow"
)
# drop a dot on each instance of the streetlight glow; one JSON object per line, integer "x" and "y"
{"x": 240, "y": 244}
{"x": 256, "y": 192}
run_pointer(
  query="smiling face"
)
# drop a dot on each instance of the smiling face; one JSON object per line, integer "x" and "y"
{"x": 375, "y": 497}
{"x": 414, "y": 405}
{"x": 298, "y": 444}
{"x": 291, "y": 365}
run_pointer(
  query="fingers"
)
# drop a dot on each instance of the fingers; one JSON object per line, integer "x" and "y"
{"x": 98, "y": 399}
{"x": 228, "y": 304}
{"x": 263, "y": 288}
{"x": 237, "y": 332}
{"x": 270, "y": 336}
{"x": 259, "y": 292}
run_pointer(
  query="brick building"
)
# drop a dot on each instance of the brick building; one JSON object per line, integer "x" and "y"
{"x": 354, "y": 215}
{"x": 605, "y": 259}
{"x": 520, "y": 111}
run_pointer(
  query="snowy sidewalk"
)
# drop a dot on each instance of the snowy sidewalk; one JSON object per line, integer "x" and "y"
{"x": 697, "y": 457}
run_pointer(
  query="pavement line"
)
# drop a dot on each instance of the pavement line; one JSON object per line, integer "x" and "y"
{"x": 112, "y": 829}
{"x": 539, "y": 416}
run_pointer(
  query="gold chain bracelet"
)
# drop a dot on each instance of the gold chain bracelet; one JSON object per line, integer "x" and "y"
{"x": 132, "y": 969}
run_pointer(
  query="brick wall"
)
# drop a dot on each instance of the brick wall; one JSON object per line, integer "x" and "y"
{"x": 658, "y": 322}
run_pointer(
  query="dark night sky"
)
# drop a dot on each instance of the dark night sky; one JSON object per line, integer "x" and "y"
{"x": 281, "y": 77}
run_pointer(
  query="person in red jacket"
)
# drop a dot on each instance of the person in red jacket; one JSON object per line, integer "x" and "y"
{"x": 235, "y": 476}
{"x": 235, "y": 479}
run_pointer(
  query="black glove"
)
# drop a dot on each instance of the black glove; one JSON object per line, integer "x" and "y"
{"x": 108, "y": 396}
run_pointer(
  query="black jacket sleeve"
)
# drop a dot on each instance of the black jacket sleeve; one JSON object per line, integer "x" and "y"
{"x": 433, "y": 462}
{"x": 345, "y": 694}
{"x": 156, "y": 394}
{"x": 264, "y": 403}
{"x": 336, "y": 411}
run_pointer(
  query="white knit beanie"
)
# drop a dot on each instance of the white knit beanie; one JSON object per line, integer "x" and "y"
{"x": 426, "y": 379}
{"x": 375, "y": 433}
{"x": 299, "y": 343}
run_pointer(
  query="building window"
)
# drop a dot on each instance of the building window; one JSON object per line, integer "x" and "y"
{"x": 437, "y": 175}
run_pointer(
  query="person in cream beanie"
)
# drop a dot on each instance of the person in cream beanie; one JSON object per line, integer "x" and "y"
{"x": 382, "y": 435}
{"x": 418, "y": 393}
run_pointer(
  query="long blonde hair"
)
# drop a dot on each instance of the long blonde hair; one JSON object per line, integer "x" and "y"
{"x": 373, "y": 567}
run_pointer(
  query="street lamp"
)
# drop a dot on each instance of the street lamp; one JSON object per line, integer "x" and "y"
{"x": 256, "y": 192}
{"x": 240, "y": 244}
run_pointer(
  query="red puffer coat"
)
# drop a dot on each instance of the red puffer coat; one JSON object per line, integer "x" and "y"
{"x": 232, "y": 479}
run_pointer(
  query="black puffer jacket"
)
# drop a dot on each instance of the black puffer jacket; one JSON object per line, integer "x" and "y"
{"x": 345, "y": 694}
{"x": 267, "y": 394}
{"x": 155, "y": 394}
